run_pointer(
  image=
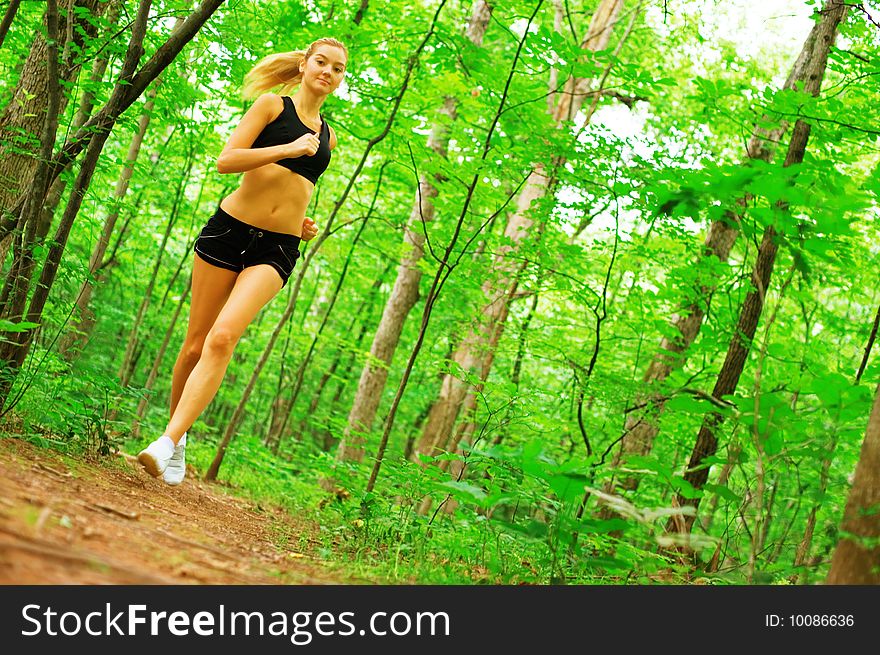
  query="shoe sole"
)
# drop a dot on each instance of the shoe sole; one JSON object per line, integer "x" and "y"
{"x": 171, "y": 483}
{"x": 150, "y": 464}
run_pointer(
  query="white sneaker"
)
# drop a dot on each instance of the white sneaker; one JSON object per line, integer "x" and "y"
{"x": 176, "y": 469}
{"x": 155, "y": 457}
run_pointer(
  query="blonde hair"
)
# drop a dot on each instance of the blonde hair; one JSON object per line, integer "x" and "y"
{"x": 282, "y": 69}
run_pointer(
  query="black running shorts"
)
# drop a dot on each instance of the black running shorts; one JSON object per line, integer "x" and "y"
{"x": 232, "y": 244}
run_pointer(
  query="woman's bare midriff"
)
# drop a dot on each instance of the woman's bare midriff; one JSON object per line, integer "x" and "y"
{"x": 271, "y": 197}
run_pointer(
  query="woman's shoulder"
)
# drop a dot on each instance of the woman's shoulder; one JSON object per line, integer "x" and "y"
{"x": 270, "y": 100}
{"x": 270, "y": 105}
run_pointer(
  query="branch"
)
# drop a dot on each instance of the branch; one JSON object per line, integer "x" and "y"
{"x": 697, "y": 393}
{"x": 868, "y": 347}
{"x": 629, "y": 101}
{"x": 855, "y": 128}
{"x": 861, "y": 7}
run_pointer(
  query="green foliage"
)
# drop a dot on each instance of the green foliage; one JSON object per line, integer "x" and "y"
{"x": 611, "y": 253}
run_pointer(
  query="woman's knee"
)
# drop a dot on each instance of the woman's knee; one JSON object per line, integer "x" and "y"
{"x": 192, "y": 348}
{"x": 221, "y": 340}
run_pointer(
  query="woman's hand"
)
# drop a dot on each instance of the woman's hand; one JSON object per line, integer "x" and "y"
{"x": 309, "y": 229}
{"x": 305, "y": 146}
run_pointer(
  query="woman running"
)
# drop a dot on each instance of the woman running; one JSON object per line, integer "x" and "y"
{"x": 247, "y": 250}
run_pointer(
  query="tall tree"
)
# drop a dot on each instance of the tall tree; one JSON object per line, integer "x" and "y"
{"x": 126, "y": 368}
{"x": 35, "y": 107}
{"x": 93, "y": 136}
{"x": 74, "y": 338}
{"x": 105, "y": 118}
{"x": 447, "y": 264}
{"x": 641, "y": 428}
{"x": 706, "y": 445}
{"x": 469, "y": 355}
{"x": 24, "y": 115}
{"x": 16, "y": 292}
{"x": 405, "y": 293}
{"x": 856, "y": 559}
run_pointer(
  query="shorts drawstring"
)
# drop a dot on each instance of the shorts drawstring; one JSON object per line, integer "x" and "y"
{"x": 255, "y": 235}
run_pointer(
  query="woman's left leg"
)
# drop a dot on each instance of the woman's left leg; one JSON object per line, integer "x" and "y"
{"x": 255, "y": 287}
{"x": 211, "y": 287}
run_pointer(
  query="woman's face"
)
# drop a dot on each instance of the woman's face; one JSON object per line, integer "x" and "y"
{"x": 324, "y": 70}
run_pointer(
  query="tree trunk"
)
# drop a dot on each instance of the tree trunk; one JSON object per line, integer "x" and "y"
{"x": 120, "y": 100}
{"x": 469, "y": 354}
{"x": 18, "y": 349}
{"x": 465, "y": 431}
{"x": 86, "y": 105}
{"x": 641, "y": 430}
{"x": 72, "y": 341}
{"x": 157, "y": 362}
{"x": 16, "y": 291}
{"x": 706, "y": 445}
{"x": 869, "y": 345}
{"x": 856, "y": 559}
{"x": 405, "y": 293}
{"x": 25, "y": 113}
{"x": 122, "y": 96}
{"x": 446, "y": 265}
{"x": 7, "y": 19}
{"x": 763, "y": 521}
{"x": 805, "y": 545}
{"x": 327, "y": 437}
{"x": 517, "y": 368}
{"x": 299, "y": 376}
{"x": 286, "y": 408}
{"x": 40, "y": 84}
{"x": 280, "y": 403}
{"x": 126, "y": 368}
{"x": 359, "y": 16}
{"x": 467, "y": 428}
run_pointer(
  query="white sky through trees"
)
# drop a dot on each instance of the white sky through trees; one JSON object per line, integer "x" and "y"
{"x": 772, "y": 31}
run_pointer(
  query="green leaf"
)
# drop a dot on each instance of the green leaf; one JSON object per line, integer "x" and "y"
{"x": 723, "y": 491}
{"x": 12, "y": 326}
{"x": 773, "y": 442}
{"x": 829, "y": 387}
{"x": 688, "y": 404}
{"x": 685, "y": 488}
{"x": 568, "y": 486}
{"x": 465, "y": 490}
{"x": 596, "y": 526}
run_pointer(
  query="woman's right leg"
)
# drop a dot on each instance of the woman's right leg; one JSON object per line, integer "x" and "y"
{"x": 211, "y": 287}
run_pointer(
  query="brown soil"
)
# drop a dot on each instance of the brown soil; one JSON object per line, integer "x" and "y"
{"x": 66, "y": 521}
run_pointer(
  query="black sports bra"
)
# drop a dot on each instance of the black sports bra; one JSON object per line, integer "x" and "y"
{"x": 288, "y": 127}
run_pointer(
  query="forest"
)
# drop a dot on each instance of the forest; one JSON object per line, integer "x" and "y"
{"x": 593, "y": 300}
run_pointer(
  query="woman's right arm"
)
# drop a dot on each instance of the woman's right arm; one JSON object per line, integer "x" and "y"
{"x": 238, "y": 156}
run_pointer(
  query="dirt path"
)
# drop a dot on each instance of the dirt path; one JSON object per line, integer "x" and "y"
{"x": 65, "y": 521}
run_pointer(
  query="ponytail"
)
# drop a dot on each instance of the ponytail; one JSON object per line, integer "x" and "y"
{"x": 282, "y": 70}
